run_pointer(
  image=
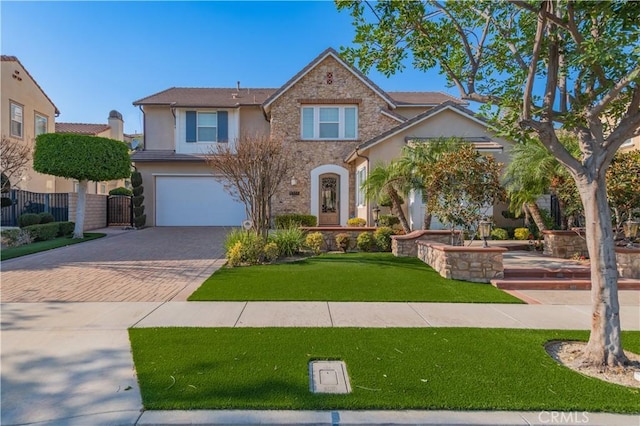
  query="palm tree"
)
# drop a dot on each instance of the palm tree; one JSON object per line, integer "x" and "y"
{"x": 388, "y": 179}
{"x": 416, "y": 163}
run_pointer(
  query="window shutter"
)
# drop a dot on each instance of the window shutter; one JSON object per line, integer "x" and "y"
{"x": 191, "y": 126}
{"x": 223, "y": 126}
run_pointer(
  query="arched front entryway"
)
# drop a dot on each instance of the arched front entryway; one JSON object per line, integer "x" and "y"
{"x": 330, "y": 195}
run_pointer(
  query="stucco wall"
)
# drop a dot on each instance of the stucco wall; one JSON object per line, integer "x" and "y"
{"x": 310, "y": 154}
{"x": 159, "y": 128}
{"x": 23, "y": 91}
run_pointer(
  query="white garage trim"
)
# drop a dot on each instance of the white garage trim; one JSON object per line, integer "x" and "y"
{"x": 194, "y": 200}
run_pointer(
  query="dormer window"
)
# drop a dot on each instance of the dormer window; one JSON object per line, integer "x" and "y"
{"x": 329, "y": 122}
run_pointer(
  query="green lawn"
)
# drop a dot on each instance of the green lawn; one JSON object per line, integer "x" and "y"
{"x": 362, "y": 277}
{"x": 426, "y": 368}
{"x": 10, "y": 253}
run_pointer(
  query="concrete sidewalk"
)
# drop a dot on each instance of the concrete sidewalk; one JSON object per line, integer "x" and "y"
{"x": 70, "y": 363}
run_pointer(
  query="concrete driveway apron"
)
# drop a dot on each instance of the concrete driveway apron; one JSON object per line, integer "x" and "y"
{"x": 148, "y": 265}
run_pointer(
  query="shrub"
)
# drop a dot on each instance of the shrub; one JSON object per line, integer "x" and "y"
{"x": 138, "y": 211}
{"x": 16, "y": 237}
{"x": 140, "y": 221}
{"x": 28, "y": 219}
{"x": 365, "y": 241}
{"x": 121, "y": 191}
{"x": 521, "y": 233}
{"x": 234, "y": 255}
{"x": 65, "y": 228}
{"x": 285, "y": 221}
{"x": 251, "y": 246}
{"x": 357, "y": 222}
{"x": 136, "y": 179}
{"x": 383, "y": 238}
{"x": 343, "y": 240}
{"x": 137, "y": 201}
{"x": 137, "y": 191}
{"x": 289, "y": 240}
{"x": 314, "y": 242}
{"x": 271, "y": 252}
{"x": 46, "y": 217}
{"x": 499, "y": 234}
{"x": 43, "y": 232}
{"x": 388, "y": 220}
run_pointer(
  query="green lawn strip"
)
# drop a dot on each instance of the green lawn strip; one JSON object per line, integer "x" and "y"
{"x": 426, "y": 368}
{"x": 362, "y": 277}
{"x": 10, "y": 253}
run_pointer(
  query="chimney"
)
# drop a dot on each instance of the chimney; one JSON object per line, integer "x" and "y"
{"x": 238, "y": 85}
{"x": 117, "y": 126}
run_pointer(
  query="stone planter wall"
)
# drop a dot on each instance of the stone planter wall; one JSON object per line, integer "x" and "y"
{"x": 565, "y": 244}
{"x": 463, "y": 263}
{"x": 628, "y": 260}
{"x": 329, "y": 234}
{"x": 405, "y": 245}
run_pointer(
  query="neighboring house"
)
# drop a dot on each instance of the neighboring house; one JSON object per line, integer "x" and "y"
{"x": 26, "y": 112}
{"x": 114, "y": 129}
{"x": 631, "y": 144}
{"x": 336, "y": 121}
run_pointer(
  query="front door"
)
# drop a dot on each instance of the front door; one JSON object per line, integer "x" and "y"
{"x": 329, "y": 200}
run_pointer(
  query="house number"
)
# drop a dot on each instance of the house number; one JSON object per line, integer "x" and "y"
{"x": 329, "y": 78}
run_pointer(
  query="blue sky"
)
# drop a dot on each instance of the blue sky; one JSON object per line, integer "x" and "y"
{"x": 92, "y": 57}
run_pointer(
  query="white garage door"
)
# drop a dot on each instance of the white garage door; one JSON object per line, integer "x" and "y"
{"x": 195, "y": 201}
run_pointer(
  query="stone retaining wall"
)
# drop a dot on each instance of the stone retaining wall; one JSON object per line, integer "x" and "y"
{"x": 405, "y": 245}
{"x": 463, "y": 263}
{"x": 628, "y": 260}
{"x": 95, "y": 214}
{"x": 565, "y": 244}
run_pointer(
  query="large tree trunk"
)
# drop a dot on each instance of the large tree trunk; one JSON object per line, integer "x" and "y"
{"x": 397, "y": 206}
{"x": 605, "y": 345}
{"x": 536, "y": 216}
{"x": 80, "y": 209}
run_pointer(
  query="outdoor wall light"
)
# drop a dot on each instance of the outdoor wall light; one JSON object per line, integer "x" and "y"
{"x": 376, "y": 214}
{"x": 630, "y": 231}
{"x": 484, "y": 227}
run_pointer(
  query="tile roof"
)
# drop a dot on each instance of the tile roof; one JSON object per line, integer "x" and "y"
{"x": 81, "y": 128}
{"x": 8, "y": 58}
{"x": 207, "y": 97}
{"x": 423, "y": 98}
{"x": 163, "y": 155}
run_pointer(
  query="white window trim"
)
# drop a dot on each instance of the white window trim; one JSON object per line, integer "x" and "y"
{"x": 206, "y": 127}
{"x": 316, "y": 121}
{"x": 35, "y": 123}
{"x": 360, "y": 198}
{"x": 11, "y": 120}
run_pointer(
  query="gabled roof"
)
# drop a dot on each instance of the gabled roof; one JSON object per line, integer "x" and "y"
{"x": 8, "y": 58}
{"x": 201, "y": 97}
{"x": 412, "y": 99}
{"x": 304, "y": 71}
{"x": 446, "y": 106}
{"x": 81, "y": 128}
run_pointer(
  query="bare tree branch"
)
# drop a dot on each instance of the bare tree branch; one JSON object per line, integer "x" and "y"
{"x": 14, "y": 159}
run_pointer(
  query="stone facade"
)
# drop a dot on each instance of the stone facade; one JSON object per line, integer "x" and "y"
{"x": 565, "y": 244}
{"x": 405, "y": 245}
{"x": 628, "y": 260}
{"x": 314, "y": 88}
{"x": 95, "y": 214}
{"x": 463, "y": 263}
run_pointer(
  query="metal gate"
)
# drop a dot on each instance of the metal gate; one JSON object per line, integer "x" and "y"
{"x": 120, "y": 210}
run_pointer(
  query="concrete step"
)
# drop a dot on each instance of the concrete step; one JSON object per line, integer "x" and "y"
{"x": 532, "y": 283}
{"x": 564, "y": 273}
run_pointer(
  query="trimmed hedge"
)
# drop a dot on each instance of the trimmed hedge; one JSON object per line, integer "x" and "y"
{"x": 285, "y": 221}
{"x": 121, "y": 191}
{"x": 46, "y": 217}
{"x": 65, "y": 228}
{"x": 28, "y": 219}
{"x": 43, "y": 232}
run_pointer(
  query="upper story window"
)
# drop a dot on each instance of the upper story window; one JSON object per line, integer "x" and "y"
{"x": 207, "y": 126}
{"x": 329, "y": 122}
{"x": 41, "y": 124}
{"x": 16, "y": 120}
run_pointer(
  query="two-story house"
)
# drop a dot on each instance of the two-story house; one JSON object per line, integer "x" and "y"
{"x": 337, "y": 122}
{"x": 26, "y": 112}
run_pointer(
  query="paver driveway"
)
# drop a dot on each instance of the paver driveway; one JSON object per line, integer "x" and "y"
{"x": 148, "y": 265}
